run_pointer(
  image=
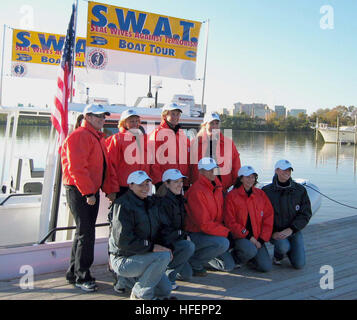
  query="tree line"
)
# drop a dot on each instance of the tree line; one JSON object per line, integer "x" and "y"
{"x": 302, "y": 122}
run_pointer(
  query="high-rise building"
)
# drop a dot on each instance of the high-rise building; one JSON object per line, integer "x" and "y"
{"x": 280, "y": 111}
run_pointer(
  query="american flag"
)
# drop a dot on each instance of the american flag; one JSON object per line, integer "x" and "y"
{"x": 59, "y": 116}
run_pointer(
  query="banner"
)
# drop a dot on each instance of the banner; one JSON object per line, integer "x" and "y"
{"x": 134, "y": 41}
{"x": 37, "y": 54}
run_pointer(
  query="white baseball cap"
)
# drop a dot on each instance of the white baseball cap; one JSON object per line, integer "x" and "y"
{"x": 128, "y": 113}
{"x": 171, "y": 106}
{"x": 283, "y": 165}
{"x": 95, "y": 109}
{"x": 207, "y": 164}
{"x": 246, "y": 171}
{"x": 211, "y": 116}
{"x": 172, "y": 174}
{"x": 138, "y": 177}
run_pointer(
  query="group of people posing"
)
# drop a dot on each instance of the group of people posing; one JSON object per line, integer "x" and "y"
{"x": 206, "y": 213}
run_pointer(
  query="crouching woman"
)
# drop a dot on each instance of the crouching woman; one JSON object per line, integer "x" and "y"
{"x": 134, "y": 252}
{"x": 249, "y": 215}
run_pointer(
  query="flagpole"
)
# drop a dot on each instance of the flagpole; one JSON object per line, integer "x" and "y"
{"x": 74, "y": 54}
{"x": 58, "y": 176}
{"x": 2, "y": 63}
{"x": 205, "y": 67}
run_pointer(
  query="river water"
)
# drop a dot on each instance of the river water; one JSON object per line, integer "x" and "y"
{"x": 332, "y": 168}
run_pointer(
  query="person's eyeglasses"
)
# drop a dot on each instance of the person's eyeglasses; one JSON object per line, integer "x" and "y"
{"x": 101, "y": 115}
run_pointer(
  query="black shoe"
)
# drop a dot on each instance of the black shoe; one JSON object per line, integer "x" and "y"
{"x": 87, "y": 286}
{"x": 199, "y": 273}
{"x": 71, "y": 278}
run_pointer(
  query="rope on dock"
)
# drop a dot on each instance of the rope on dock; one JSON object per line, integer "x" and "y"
{"x": 340, "y": 203}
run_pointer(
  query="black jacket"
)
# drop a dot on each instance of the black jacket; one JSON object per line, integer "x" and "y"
{"x": 292, "y": 207}
{"x": 135, "y": 225}
{"x": 172, "y": 216}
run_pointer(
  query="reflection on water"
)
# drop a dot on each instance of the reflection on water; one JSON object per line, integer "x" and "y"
{"x": 332, "y": 168}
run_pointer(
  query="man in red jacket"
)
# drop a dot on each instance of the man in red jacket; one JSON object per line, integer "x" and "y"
{"x": 204, "y": 221}
{"x": 169, "y": 146}
{"x": 85, "y": 171}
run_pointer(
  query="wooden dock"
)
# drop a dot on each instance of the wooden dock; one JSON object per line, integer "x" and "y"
{"x": 333, "y": 243}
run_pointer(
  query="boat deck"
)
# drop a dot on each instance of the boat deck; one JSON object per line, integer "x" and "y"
{"x": 332, "y": 243}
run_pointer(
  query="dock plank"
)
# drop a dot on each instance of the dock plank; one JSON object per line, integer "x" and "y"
{"x": 330, "y": 243}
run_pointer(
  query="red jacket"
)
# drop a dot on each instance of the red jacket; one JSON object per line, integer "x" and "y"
{"x": 126, "y": 155}
{"x": 226, "y": 156}
{"x": 171, "y": 150}
{"x": 238, "y": 205}
{"x": 205, "y": 208}
{"x": 83, "y": 154}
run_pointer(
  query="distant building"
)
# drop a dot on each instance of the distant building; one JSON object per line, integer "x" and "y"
{"x": 295, "y": 112}
{"x": 280, "y": 111}
{"x": 260, "y": 110}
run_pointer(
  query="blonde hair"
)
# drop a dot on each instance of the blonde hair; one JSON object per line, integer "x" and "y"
{"x": 164, "y": 114}
{"x": 121, "y": 123}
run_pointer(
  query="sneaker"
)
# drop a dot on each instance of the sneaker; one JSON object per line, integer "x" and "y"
{"x": 134, "y": 297}
{"x": 174, "y": 285}
{"x": 199, "y": 273}
{"x": 277, "y": 261}
{"x": 237, "y": 266}
{"x": 88, "y": 286}
{"x": 118, "y": 289}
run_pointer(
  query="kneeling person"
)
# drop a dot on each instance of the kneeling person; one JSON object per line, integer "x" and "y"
{"x": 292, "y": 212}
{"x": 134, "y": 253}
{"x": 173, "y": 236}
{"x": 204, "y": 221}
{"x": 249, "y": 215}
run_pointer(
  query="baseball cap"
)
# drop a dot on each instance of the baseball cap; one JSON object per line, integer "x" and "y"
{"x": 96, "y": 109}
{"x": 171, "y": 106}
{"x": 207, "y": 164}
{"x": 172, "y": 174}
{"x": 283, "y": 165}
{"x": 138, "y": 177}
{"x": 128, "y": 113}
{"x": 246, "y": 171}
{"x": 211, "y": 116}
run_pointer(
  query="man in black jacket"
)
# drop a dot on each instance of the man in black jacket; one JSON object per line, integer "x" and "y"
{"x": 292, "y": 212}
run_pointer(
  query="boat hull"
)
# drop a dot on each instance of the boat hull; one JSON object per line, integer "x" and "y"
{"x": 344, "y": 136}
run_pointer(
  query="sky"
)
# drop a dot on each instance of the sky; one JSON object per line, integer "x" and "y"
{"x": 297, "y": 53}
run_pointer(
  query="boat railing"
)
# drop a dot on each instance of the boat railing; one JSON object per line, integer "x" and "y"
{"x": 11, "y": 195}
{"x": 50, "y": 233}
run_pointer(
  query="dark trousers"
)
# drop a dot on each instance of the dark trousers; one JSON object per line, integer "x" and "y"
{"x": 85, "y": 216}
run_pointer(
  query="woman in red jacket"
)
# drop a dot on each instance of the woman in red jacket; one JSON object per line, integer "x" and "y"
{"x": 127, "y": 150}
{"x": 249, "y": 215}
{"x": 210, "y": 142}
{"x": 204, "y": 222}
{"x": 85, "y": 170}
{"x": 169, "y": 145}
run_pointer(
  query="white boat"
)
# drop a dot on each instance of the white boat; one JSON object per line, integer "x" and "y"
{"x": 25, "y": 217}
{"x": 345, "y": 134}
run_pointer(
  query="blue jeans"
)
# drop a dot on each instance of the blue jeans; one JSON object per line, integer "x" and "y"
{"x": 144, "y": 273}
{"x": 211, "y": 250}
{"x": 182, "y": 251}
{"x": 244, "y": 250}
{"x": 293, "y": 246}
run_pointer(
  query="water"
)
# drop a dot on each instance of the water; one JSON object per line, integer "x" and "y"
{"x": 329, "y": 167}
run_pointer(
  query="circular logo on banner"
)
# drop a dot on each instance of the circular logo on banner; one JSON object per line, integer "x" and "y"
{"x": 97, "y": 59}
{"x": 19, "y": 70}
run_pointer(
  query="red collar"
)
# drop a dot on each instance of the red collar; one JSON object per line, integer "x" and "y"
{"x": 85, "y": 124}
